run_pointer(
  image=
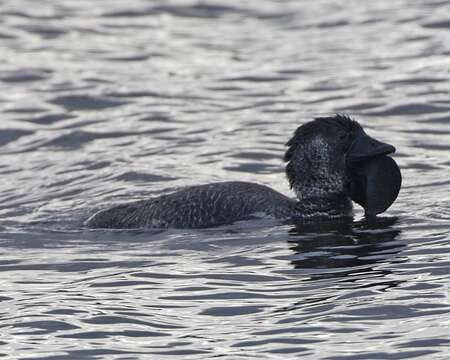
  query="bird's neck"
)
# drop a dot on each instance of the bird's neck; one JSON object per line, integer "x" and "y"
{"x": 330, "y": 206}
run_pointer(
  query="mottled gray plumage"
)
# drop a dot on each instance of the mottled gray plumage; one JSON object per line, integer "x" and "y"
{"x": 208, "y": 206}
{"x": 316, "y": 170}
{"x": 198, "y": 206}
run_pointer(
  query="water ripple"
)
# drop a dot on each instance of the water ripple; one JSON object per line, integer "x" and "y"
{"x": 104, "y": 103}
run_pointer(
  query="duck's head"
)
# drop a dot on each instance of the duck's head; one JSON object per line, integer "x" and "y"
{"x": 333, "y": 156}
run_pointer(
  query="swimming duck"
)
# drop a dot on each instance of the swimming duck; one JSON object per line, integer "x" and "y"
{"x": 330, "y": 162}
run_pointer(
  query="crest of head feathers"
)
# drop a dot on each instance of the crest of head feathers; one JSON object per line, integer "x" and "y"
{"x": 319, "y": 125}
{"x": 329, "y": 127}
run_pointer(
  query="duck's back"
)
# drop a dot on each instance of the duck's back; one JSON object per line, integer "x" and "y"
{"x": 196, "y": 207}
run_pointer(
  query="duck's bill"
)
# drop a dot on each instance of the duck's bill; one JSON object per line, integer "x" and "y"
{"x": 365, "y": 147}
{"x": 375, "y": 178}
{"x": 375, "y": 184}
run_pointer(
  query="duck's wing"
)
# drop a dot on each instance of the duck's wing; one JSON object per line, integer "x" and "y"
{"x": 196, "y": 207}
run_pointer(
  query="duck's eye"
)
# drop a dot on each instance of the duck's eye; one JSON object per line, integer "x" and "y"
{"x": 342, "y": 135}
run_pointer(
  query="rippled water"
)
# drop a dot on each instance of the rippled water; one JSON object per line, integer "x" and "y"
{"x": 107, "y": 101}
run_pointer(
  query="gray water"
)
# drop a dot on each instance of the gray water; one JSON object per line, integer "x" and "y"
{"x": 109, "y": 101}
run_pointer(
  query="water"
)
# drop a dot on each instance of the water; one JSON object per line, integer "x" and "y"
{"x": 107, "y": 101}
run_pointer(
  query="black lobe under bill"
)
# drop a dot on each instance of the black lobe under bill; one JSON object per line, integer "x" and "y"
{"x": 375, "y": 184}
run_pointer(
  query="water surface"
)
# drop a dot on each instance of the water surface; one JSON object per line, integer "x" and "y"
{"x": 105, "y": 102}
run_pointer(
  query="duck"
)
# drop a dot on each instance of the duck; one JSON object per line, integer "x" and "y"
{"x": 330, "y": 163}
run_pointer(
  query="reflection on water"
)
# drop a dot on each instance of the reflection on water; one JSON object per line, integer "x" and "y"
{"x": 349, "y": 246}
{"x": 107, "y": 102}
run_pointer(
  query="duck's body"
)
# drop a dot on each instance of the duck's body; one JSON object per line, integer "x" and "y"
{"x": 318, "y": 171}
{"x": 198, "y": 206}
{"x": 213, "y": 205}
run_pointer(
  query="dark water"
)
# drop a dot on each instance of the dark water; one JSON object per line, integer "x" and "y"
{"x": 108, "y": 101}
